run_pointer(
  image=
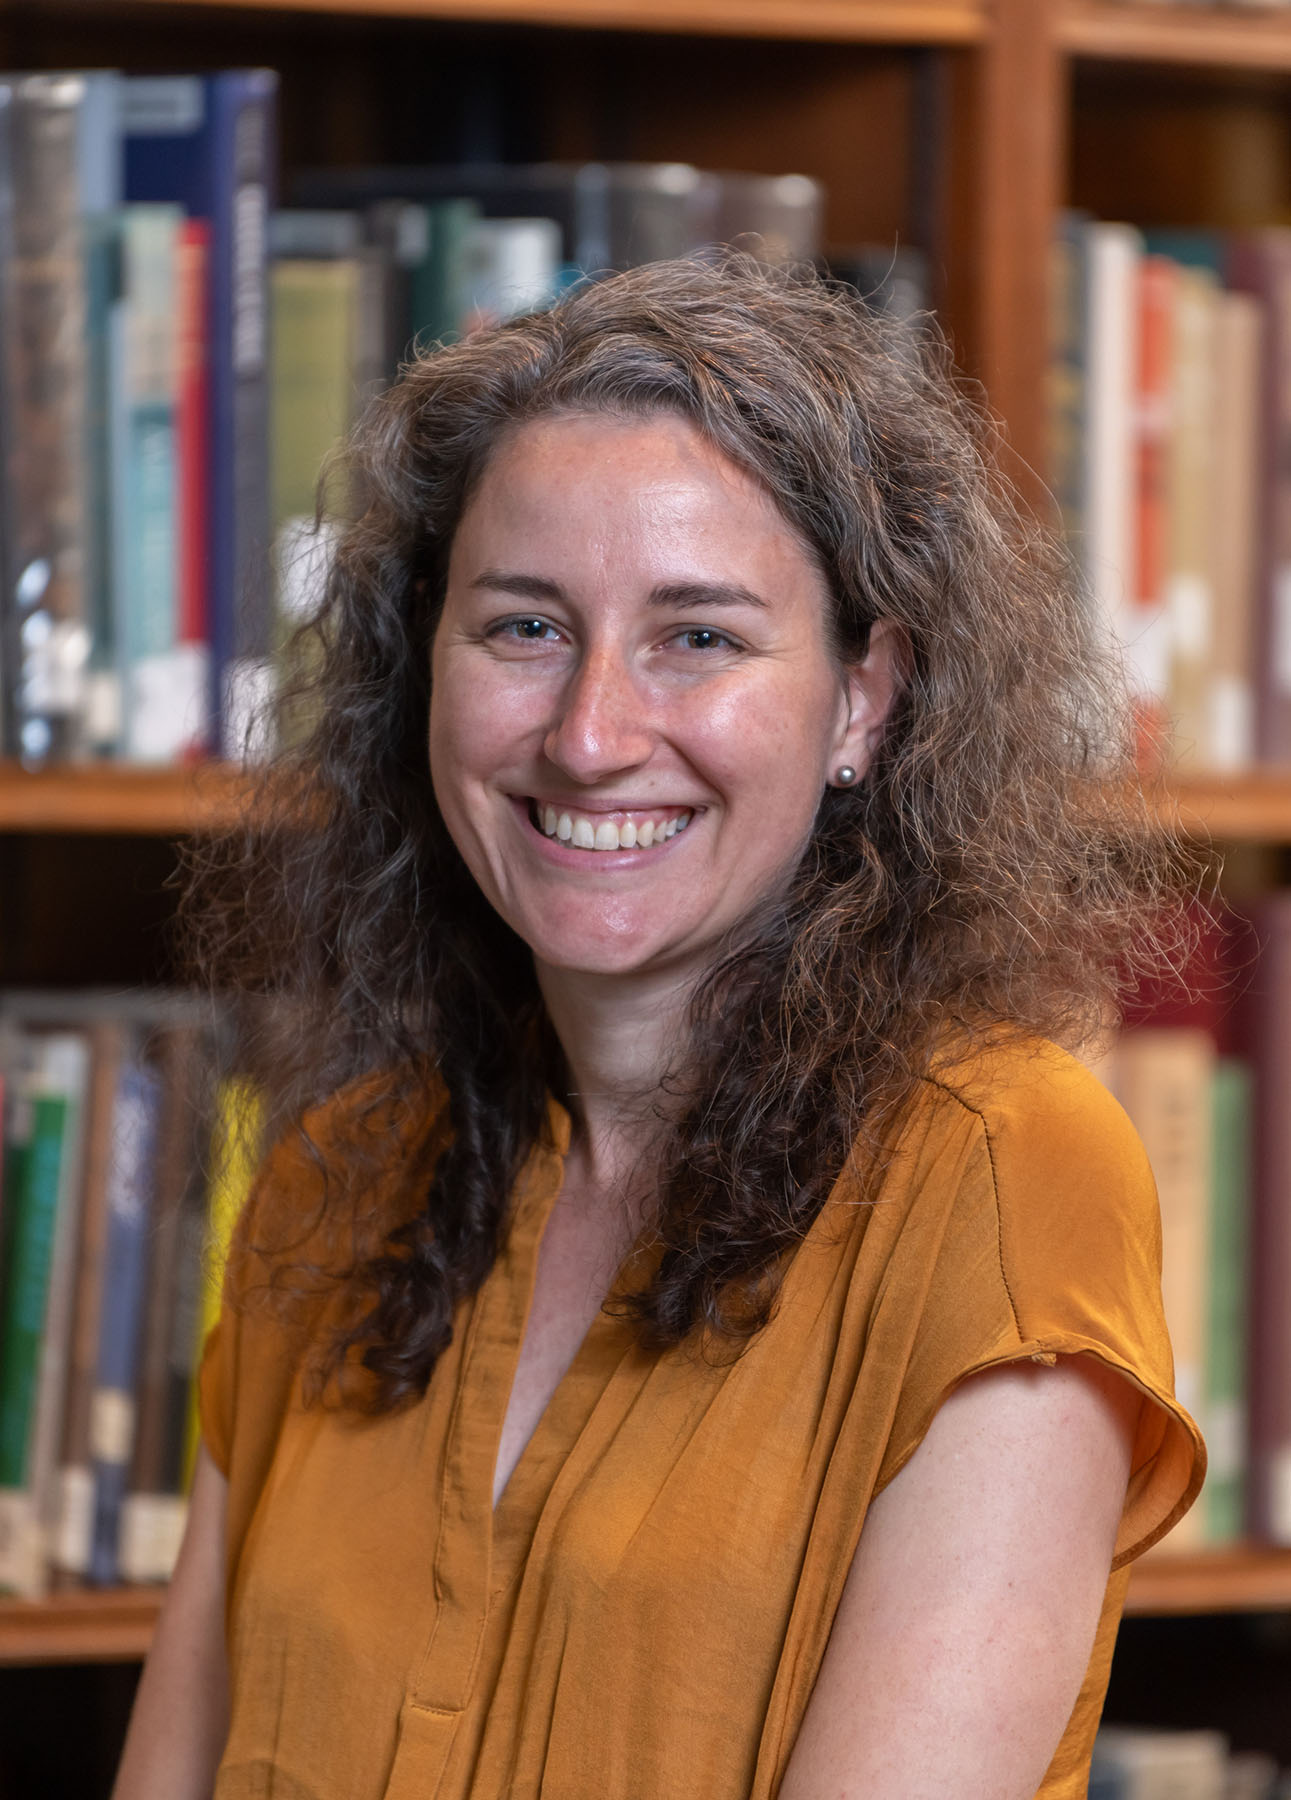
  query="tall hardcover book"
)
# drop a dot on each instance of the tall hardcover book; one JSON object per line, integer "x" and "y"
{"x": 192, "y": 474}
{"x": 142, "y": 416}
{"x": 1235, "y": 488}
{"x": 62, "y": 150}
{"x": 74, "y": 1529}
{"x": 1164, "y": 1081}
{"x": 131, "y": 1179}
{"x": 1067, "y": 378}
{"x": 208, "y": 143}
{"x": 1113, "y": 253}
{"x": 1223, "y": 1417}
{"x": 153, "y": 1515}
{"x": 1260, "y": 264}
{"x": 41, "y": 1134}
{"x": 1191, "y": 557}
{"x": 1147, "y": 626}
{"x": 1269, "y": 1013}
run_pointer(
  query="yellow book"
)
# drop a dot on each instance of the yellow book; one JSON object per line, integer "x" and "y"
{"x": 235, "y": 1156}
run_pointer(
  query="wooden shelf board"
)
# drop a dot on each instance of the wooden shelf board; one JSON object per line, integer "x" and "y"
{"x": 116, "y": 1624}
{"x": 1249, "y": 808}
{"x": 1243, "y": 1579}
{"x": 82, "y": 1625}
{"x": 842, "y": 21}
{"x": 1227, "y": 36}
{"x": 1253, "y": 808}
{"x": 120, "y": 801}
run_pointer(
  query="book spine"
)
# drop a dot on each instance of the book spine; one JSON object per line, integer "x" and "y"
{"x": 1164, "y": 1078}
{"x": 1147, "y": 634}
{"x": 10, "y": 645}
{"x": 46, "y": 512}
{"x": 1067, "y": 380}
{"x": 243, "y": 140}
{"x": 1230, "y": 720}
{"x": 1191, "y": 592}
{"x": 192, "y": 427}
{"x": 36, "y": 1133}
{"x": 66, "y": 1065}
{"x": 146, "y": 1532}
{"x": 1260, "y": 264}
{"x": 131, "y": 1172}
{"x": 1269, "y": 1506}
{"x": 1224, "y": 1408}
{"x": 1113, "y": 253}
{"x": 73, "y": 1535}
{"x": 143, "y": 437}
{"x": 238, "y": 1130}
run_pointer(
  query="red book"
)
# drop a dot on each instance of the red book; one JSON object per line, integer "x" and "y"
{"x": 1259, "y": 263}
{"x": 1153, "y": 395}
{"x": 192, "y": 448}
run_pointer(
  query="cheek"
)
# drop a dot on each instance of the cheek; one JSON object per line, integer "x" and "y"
{"x": 769, "y": 740}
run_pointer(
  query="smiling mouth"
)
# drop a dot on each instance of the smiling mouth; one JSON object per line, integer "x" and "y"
{"x": 583, "y": 831}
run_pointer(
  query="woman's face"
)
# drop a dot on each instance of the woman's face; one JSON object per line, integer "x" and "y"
{"x": 634, "y": 705}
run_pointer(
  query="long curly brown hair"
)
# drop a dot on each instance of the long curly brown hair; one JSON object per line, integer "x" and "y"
{"x": 998, "y": 868}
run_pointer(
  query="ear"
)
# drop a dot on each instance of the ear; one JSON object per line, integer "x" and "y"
{"x": 871, "y": 686}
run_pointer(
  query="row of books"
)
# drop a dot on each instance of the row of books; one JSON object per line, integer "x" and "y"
{"x": 124, "y": 1165}
{"x": 1132, "y": 1763}
{"x": 178, "y": 355}
{"x": 1205, "y": 1075}
{"x": 1171, "y": 418}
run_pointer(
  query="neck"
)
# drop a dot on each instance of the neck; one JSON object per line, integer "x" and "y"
{"x": 621, "y": 1036}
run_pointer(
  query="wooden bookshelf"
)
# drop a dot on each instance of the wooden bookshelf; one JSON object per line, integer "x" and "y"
{"x": 82, "y": 1625}
{"x": 120, "y": 801}
{"x": 116, "y": 1624}
{"x": 1244, "y": 1579}
{"x": 1219, "y": 37}
{"x": 842, "y": 21}
{"x": 124, "y": 801}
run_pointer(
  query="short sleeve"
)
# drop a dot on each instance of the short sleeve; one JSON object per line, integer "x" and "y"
{"x": 1051, "y": 1246}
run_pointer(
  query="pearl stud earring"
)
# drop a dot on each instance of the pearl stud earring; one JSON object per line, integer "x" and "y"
{"x": 845, "y": 775}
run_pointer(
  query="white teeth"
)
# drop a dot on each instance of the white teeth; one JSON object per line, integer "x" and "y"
{"x": 604, "y": 834}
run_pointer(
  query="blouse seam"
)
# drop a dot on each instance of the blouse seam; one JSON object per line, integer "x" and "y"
{"x": 976, "y": 1113}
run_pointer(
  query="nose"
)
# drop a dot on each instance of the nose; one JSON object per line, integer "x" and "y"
{"x": 603, "y": 725}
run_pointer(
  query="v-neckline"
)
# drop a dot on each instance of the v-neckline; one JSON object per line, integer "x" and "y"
{"x": 514, "y": 1295}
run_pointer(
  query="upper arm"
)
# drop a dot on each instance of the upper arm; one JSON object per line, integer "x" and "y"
{"x": 973, "y": 1599}
{"x": 180, "y": 1717}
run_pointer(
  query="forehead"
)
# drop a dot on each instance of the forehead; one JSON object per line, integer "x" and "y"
{"x": 653, "y": 492}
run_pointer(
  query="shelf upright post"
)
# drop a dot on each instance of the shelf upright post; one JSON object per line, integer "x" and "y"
{"x": 1022, "y": 133}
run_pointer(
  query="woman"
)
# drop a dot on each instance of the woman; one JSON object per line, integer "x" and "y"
{"x": 772, "y": 834}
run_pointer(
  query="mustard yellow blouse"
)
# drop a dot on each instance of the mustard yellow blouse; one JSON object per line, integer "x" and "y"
{"x": 644, "y": 1616}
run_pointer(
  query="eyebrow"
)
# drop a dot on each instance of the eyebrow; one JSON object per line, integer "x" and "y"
{"x": 681, "y": 594}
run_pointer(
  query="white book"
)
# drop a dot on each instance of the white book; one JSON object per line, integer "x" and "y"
{"x": 1110, "y": 433}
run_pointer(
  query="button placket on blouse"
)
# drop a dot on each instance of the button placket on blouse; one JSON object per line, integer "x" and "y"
{"x": 443, "y": 1681}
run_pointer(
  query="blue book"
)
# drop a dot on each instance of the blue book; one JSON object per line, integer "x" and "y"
{"x": 1194, "y": 248}
{"x": 131, "y": 1180}
{"x": 141, "y": 387}
{"x": 208, "y": 144}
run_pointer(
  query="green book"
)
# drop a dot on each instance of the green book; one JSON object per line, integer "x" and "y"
{"x": 1223, "y": 1422}
{"x": 35, "y": 1134}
